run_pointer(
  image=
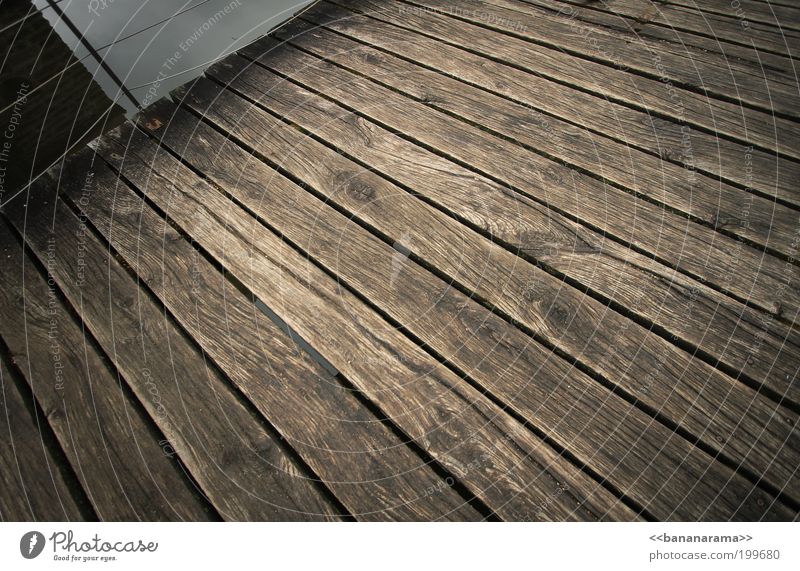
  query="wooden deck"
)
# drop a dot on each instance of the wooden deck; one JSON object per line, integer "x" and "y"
{"x": 425, "y": 260}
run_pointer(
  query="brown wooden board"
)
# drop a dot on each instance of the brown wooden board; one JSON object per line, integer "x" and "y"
{"x": 120, "y": 461}
{"x": 775, "y": 67}
{"x": 369, "y": 468}
{"x": 738, "y": 164}
{"x": 427, "y": 306}
{"x": 738, "y": 336}
{"x": 731, "y": 266}
{"x": 707, "y": 73}
{"x": 729, "y": 28}
{"x": 707, "y": 200}
{"x": 514, "y": 220}
{"x": 424, "y": 265}
{"x": 770, "y": 12}
{"x": 34, "y": 487}
{"x": 721, "y": 118}
{"x": 240, "y": 466}
{"x": 513, "y": 472}
{"x": 495, "y": 275}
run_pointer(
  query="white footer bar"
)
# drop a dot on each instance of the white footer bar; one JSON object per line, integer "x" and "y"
{"x": 354, "y": 547}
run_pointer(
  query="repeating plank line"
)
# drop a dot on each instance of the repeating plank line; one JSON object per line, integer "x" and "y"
{"x": 771, "y": 68}
{"x": 751, "y": 81}
{"x": 726, "y": 264}
{"x": 367, "y": 467}
{"x": 786, "y": 3}
{"x": 682, "y": 190}
{"x": 482, "y": 390}
{"x": 394, "y": 301}
{"x": 744, "y": 166}
{"x": 523, "y": 225}
{"x": 499, "y": 460}
{"x": 778, "y": 67}
{"x": 706, "y": 74}
{"x": 773, "y": 13}
{"x": 38, "y": 484}
{"x": 719, "y": 118}
{"x": 764, "y": 37}
{"x": 108, "y": 440}
{"x": 296, "y": 470}
{"x": 471, "y": 251}
{"x": 404, "y": 306}
{"x": 734, "y": 334}
{"x": 247, "y": 475}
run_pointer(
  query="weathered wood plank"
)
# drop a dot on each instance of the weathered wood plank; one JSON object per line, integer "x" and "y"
{"x": 768, "y": 224}
{"x": 730, "y": 265}
{"x": 369, "y": 468}
{"x": 347, "y": 210}
{"x": 109, "y": 441}
{"x": 728, "y": 28}
{"x": 771, "y": 68}
{"x": 776, "y": 2}
{"x": 777, "y": 67}
{"x": 33, "y": 487}
{"x": 692, "y": 69}
{"x": 742, "y": 165}
{"x": 505, "y": 465}
{"x": 494, "y": 274}
{"x": 523, "y": 225}
{"x": 241, "y": 468}
{"x": 722, "y": 118}
{"x": 742, "y": 338}
{"x": 771, "y": 12}
{"x": 428, "y": 306}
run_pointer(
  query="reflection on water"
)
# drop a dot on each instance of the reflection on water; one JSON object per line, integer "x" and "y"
{"x": 73, "y": 68}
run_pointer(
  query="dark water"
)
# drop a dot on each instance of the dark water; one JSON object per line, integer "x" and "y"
{"x": 74, "y": 68}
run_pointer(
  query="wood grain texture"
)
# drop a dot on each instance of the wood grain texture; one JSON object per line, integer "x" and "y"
{"x": 771, "y": 12}
{"x": 730, "y": 265}
{"x": 729, "y": 28}
{"x": 726, "y": 329}
{"x": 369, "y": 468}
{"x": 740, "y": 337}
{"x": 707, "y": 200}
{"x": 495, "y": 275}
{"x": 776, "y": 67}
{"x": 745, "y": 166}
{"x": 488, "y": 345}
{"x": 109, "y": 442}
{"x": 499, "y": 276}
{"x": 720, "y": 117}
{"x": 33, "y": 485}
{"x": 689, "y": 310}
{"x": 246, "y": 474}
{"x": 697, "y": 71}
{"x": 504, "y": 464}
{"x": 529, "y": 260}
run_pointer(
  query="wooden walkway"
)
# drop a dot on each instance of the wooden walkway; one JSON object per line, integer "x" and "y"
{"x": 425, "y": 260}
